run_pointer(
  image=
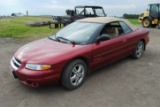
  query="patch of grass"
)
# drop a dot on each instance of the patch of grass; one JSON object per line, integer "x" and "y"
{"x": 134, "y": 21}
{"x": 16, "y": 28}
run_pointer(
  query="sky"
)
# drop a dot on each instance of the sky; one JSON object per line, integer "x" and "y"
{"x": 58, "y": 7}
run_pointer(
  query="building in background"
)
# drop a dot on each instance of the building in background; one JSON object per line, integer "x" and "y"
{"x": 16, "y": 14}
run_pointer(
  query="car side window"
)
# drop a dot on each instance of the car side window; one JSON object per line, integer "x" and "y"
{"x": 113, "y": 29}
{"x": 125, "y": 28}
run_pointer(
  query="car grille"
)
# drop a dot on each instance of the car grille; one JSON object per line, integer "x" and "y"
{"x": 15, "y": 63}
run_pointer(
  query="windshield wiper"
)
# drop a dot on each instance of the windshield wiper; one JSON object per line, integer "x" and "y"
{"x": 64, "y": 39}
{"x": 50, "y": 37}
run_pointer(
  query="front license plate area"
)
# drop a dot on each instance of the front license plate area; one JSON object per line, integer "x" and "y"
{"x": 12, "y": 72}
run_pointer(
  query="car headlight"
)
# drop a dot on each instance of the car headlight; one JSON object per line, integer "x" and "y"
{"x": 37, "y": 67}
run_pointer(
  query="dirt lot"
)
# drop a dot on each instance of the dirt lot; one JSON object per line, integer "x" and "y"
{"x": 126, "y": 83}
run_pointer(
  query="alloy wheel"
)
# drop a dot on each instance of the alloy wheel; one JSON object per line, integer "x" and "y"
{"x": 139, "y": 50}
{"x": 77, "y": 75}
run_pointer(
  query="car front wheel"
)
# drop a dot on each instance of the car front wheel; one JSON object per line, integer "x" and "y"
{"x": 139, "y": 50}
{"x": 74, "y": 74}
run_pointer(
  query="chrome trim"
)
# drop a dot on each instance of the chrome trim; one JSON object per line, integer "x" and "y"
{"x": 13, "y": 60}
{"x": 16, "y": 62}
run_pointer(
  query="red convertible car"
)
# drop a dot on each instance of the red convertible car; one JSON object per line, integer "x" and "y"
{"x": 76, "y": 50}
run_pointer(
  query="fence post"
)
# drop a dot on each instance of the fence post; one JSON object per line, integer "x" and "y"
{"x": 49, "y": 23}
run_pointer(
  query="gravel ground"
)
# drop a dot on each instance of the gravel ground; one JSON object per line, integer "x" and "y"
{"x": 126, "y": 83}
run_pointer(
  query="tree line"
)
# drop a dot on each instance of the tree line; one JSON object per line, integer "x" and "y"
{"x": 130, "y": 16}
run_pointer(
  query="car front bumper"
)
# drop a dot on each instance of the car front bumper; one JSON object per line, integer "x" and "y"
{"x": 34, "y": 79}
{"x": 35, "y": 83}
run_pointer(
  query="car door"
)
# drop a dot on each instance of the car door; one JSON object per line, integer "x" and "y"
{"x": 131, "y": 39}
{"x": 105, "y": 52}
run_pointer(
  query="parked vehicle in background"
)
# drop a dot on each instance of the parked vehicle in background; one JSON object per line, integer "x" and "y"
{"x": 76, "y": 50}
{"x": 151, "y": 18}
{"x": 80, "y": 12}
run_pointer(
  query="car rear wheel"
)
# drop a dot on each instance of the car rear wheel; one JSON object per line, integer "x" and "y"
{"x": 139, "y": 50}
{"x": 146, "y": 23}
{"x": 74, "y": 74}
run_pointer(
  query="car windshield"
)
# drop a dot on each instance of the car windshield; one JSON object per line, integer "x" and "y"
{"x": 79, "y": 32}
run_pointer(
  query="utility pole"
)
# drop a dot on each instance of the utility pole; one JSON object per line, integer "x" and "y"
{"x": 27, "y": 13}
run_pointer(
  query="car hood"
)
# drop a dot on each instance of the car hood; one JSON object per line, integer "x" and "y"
{"x": 44, "y": 49}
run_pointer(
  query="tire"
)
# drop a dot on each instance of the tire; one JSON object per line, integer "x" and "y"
{"x": 153, "y": 26}
{"x": 159, "y": 24}
{"x": 74, "y": 74}
{"x": 146, "y": 23}
{"x": 139, "y": 50}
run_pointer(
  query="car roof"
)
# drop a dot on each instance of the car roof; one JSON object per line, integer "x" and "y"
{"x": 106, "y": 20}
{"x": 88, "y": 7}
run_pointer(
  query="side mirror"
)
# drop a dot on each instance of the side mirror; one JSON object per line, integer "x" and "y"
{"x": 103, "y": 37}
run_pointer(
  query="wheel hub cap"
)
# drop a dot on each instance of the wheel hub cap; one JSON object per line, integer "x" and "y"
{"x": 139, "y": 50}
{"x": 77, "y": 75}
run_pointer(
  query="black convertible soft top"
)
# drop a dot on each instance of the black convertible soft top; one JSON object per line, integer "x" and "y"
{"x": 88, "y": 7}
